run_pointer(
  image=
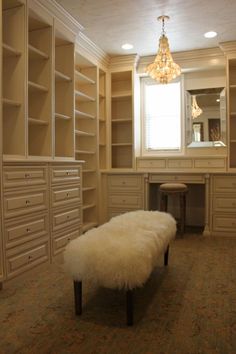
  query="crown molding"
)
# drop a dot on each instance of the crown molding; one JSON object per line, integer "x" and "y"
{"x": 124, "y": 61}
{"x": 61, "y": 14}
{"x": 228, "y": 47}
{"x": 194, "y": 60}
{"x": 95, "y": 54}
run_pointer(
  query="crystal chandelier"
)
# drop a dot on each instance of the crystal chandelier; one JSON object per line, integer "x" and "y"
{"x": 196, "y": 110}
{"x": 164, "y": 69}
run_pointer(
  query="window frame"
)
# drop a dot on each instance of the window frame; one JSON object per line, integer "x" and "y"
{"x": 165, "y": 152}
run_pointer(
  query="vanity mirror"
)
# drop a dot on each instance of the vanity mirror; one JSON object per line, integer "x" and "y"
{"x": 206, "y": 117}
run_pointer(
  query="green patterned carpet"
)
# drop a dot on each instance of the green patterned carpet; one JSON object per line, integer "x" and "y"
{"x": 187, "y": 308}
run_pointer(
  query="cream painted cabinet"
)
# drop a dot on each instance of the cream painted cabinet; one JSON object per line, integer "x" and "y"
{"x": 223, "y": 205}
{"x": 64, "y": 91}
{"x": 86, "y": 135}
{"x": 125, "y": 192}
{"x": 14, "y": 78}
{"x": 66, "y": 204}
{"x": 25, "y": 213}
{"x": 232, "y": 111}
{"x": 122, "y": 119}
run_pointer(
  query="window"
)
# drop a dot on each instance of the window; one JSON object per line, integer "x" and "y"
{"x": 161, "y": 111}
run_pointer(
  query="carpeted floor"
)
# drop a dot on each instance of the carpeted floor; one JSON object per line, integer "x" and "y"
{"x": 187, "y": 308}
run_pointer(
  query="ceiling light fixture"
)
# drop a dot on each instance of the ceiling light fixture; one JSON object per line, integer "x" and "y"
{"x": 196, "y": 110}
{"x": 164, "y": 69}
{"x": 210, "y": 34}
{"x": 127, "y": 46}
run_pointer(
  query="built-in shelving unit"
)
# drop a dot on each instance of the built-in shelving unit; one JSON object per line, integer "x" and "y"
{"x": 64, "y": 94}
{"x": 232, "y": 112}
{"x": 122, "y": 119}
{"x": 86, "y": 135}
{"x": 40, "y": 37}
{"x": 102, "y": 119}
{"x": 13, "y": 78}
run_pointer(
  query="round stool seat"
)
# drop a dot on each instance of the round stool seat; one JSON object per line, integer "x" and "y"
{"x": 173, "y": 187}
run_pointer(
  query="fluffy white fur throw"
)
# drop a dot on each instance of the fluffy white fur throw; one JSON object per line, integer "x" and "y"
{"x": 122, "y": 252}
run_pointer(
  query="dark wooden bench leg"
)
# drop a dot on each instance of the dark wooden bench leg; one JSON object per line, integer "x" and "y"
{"x": 129, "y": 307}
{"x": 78, "y": 297}
{"x": 166, "y": 256}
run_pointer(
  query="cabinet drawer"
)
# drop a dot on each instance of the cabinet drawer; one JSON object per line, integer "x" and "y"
{"x": 24, "y": 202}
{"x": 125, "y": 182}
{"x": 24, "y": 176}
{"x": 226, "y": 204}
{"x": 67, "y": 218}
{"x": 180, "y": 163}
{"x": 224, "y": 223}
{"x": 149, "y": 164}
{"x": 194, "y": 178}
{"x": 26, "y": 229}
{"x": 129, "y": 201}
{"x": 224, "y": 184}
{"x": 65, "y": 174}
{"x": 209, "y": 163}
{"x": 20, "y": 259}
{"x": 60, "y": 242}
{"x": 63, "y": 196}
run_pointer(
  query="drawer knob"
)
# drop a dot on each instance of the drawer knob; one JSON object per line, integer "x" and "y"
{"x": 27, "y": 175}
{"x": 27, "y": 202}
{"x": 30, "y": 257}
{"x": 68, "y": 239}
{"x": 67, "y": 194}
{"x": 68, "y": 216}
{"x": 28, "y": 229}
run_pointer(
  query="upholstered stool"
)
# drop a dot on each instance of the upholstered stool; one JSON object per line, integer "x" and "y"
{"x": 180, "y": 189}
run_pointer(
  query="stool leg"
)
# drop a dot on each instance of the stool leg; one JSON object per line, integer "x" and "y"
{"x": 129, "y": 307}
{"x": 182, "y": 213}
{"x": 78, "y": 297}
{"x": 164, "y": 202}
{"x": 166, "y": 256}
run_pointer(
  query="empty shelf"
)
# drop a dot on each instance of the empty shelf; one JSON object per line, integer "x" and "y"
{"x": 35, "y": 53}
{"x": 62, "y": 116}
{"x": 9, "y": 51}
{"x": 10, "y": 103}
{"x": 35, "y": 121}
{"x": 59, "y": 76}
{"x": 36, "y": 87}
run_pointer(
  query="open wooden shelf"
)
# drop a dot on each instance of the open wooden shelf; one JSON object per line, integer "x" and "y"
{"x": 10, "y": 103}
{"x": 59, "y": 76}
{"x": 83, "y": 133}
{"x": 35, "y": 53}
{"x": 9, "y": 51}
{"x": 82, "y": 97}
{"x": 35, "y": 121}
{"x": 35, "y": 87}
{"x": 62, "y": 116}
{"x": 83, "y": 115}
{"x": 83, "y": 79}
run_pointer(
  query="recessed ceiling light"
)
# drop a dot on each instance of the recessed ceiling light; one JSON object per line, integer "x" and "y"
{"x": 127, "y": 46}
{"x": 210, "y": 34}
{"x": 218, "y": 100}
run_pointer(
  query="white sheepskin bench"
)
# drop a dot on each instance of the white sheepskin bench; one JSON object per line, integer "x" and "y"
{"x": 120, "y": 254}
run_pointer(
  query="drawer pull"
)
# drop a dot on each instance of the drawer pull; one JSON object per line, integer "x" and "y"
{"x": 67, "y": 194}
{"x": 68, "y": 239}
{"x": 27, "y": 175}
{"x": 27, "y": 202}
{"x": 30, "y": 257}
{"x": 68, "y": 217}
{"x": 28, "y": 229}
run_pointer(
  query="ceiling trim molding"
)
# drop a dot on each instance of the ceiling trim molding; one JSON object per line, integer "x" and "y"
{"x": 60, "y": 13}
{"x": 198, "y": 59}
{"x": 96, "y": 55}
{"x": 124, "y": 60}
{"x": 228, "y": 47}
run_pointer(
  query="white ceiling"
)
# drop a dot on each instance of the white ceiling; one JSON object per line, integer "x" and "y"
{"x": 110, "y": 23}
